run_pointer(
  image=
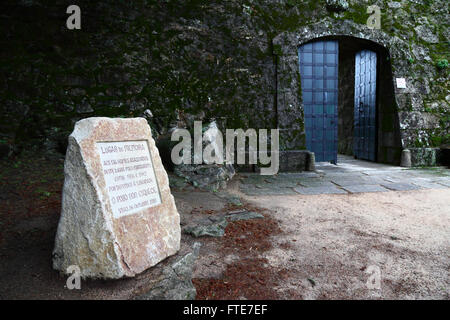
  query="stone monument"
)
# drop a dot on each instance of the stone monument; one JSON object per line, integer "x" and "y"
{"x": 118, "y": 215}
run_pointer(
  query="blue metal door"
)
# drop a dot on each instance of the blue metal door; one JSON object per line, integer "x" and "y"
{"x": 319, "y": 81}
{"x": 365, "y": 105}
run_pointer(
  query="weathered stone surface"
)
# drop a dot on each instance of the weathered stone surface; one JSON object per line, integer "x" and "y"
{"x": 230, "y": 198}
{"x": 400, "y": 186}
{"x": 424, "y": 32}
{"x": 104, "y": 240}
{"x": 207, "y": 176}
{"x": 337, "y": 5}
{"x": 359, "y": 188}
{"x": 269, "y": 191}
{"x": 320, "y": 190}
{"x": 406, "y": 159}
{"x": 350, "y": 176}
{"x": 246, "y": 215}
{"x": 298, "y": 160}
{"x": 407, "y": 125}
{"x": 423, "y": 156}
{"x": 212, "y": 227}
{"x": 176, "y": 280}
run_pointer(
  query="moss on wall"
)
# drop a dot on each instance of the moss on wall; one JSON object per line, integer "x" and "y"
{"x": 201, "y": 56}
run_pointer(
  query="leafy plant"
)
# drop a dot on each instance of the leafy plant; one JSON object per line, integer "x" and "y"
{"x": 442, "y": 64}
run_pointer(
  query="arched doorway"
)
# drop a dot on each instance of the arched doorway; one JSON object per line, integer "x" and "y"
{"x": 389, "y": 130}
{"x": 340, "y": 77}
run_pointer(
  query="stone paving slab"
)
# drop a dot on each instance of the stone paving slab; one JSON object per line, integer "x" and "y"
{"x": 439, "y": 172}
{"x": 400, "y": 186}
{"x": 298, "y": 175}
{"x": 429, "y": 185}
{"x": 359, "y": 188}
{"x": 317, "y": 184}
{"x": 383, "y": 172}
{"x": 320, "y": 190}
{"x": 349, "y": 176}
{"x": 342, "y": 174}
{"x": 408, "y": 180}
{"x": 349, "y": 181}
{"x": 269, "y": 192}
{"x": 288, "y": 184}
{"x": 444, "y": 182}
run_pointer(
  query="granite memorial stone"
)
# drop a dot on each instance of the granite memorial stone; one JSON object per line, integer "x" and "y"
{"x": 118, "y": 215}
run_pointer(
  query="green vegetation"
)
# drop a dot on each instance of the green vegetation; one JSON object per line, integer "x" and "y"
{"x": 442, "y": 64}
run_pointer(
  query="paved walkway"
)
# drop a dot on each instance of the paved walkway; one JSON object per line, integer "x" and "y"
{"x": 348, "y": 176}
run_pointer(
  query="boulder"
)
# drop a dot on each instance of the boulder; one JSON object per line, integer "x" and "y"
{"x": 118, "y": 215}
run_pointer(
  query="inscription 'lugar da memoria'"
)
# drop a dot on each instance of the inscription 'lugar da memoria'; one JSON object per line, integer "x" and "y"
{"x": 129, "y": 175}
{"x": 118, "y": 215}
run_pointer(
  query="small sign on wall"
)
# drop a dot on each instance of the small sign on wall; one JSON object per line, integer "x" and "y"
{"x": 401, "y": 83}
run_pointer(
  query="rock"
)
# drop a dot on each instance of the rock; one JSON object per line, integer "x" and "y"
{"x": 394, "y": 5}
{"x": 232, "y": 199}
{"x": 214, "y": 226}
{"x": 295, "y": 160}
{"x": 207, "y": 176}
{"x": 421, "y": 157}
{"x": 424, "y": 32}
{"x": 177, "y": 182}
{"x": 406, "y": 158}
{"x": 108, "y": 229}
{"x": 337, "y": 5}
{"x": 311, "y": 162}
{"x": 247, "y": 215}
{"x": 176, "y": 282}
{"x": 84, "y": 107}
{"x": 209, "y": 227}
{"x": 210, "y": 177}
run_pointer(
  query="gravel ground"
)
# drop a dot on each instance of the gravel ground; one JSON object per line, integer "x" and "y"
{"x": 386, "y": 245}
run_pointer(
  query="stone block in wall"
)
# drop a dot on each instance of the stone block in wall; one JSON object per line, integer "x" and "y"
{"x": 419, "y": 120}
{"x": 295, "y": 160}
{"x": 292, "y": 139}
{"x": 289, "y": 161}
{"x": 424, "y": 157}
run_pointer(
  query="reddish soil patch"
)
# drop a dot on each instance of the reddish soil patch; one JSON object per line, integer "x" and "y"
{"x": 250, "y": 277}
{"x": 250, "y": 235}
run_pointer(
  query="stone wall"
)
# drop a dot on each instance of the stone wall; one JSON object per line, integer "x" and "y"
{"x": 405, "y": 118}
{"x": 235, "y": 60}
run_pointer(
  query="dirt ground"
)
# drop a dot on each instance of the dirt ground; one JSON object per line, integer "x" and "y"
{"x": 332, "y": 244}
{"x": 306, "y": 247}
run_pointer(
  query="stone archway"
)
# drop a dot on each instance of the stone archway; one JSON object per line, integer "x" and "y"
{"x": 396, "y": 105}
